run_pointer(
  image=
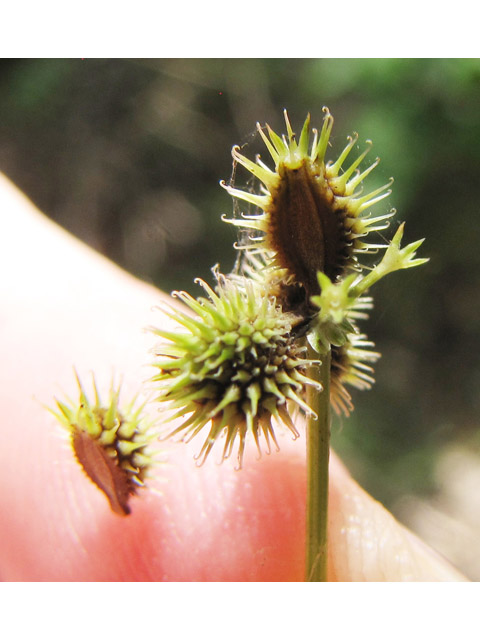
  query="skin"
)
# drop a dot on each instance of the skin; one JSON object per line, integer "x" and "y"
{"x": 63, "y": 305}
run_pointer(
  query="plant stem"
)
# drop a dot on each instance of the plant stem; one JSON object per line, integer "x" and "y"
{"x": 318, "y": 448}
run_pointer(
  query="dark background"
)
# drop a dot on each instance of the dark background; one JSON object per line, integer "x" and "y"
{"x": 127, "y": 155}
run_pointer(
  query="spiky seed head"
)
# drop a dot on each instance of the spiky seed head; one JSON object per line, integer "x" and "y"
{"x": 111, "y": 444}
{"x": 232, "y": 368}
{"x": 314, "y": 214}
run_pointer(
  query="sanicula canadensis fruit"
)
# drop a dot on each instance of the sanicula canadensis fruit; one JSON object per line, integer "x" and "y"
{"x": 233, "y": 366}
{"x": 313, "y": 214}
{"x": 111, "y": 444}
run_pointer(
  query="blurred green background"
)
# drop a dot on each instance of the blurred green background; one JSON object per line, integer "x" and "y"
{"x": 127, "y": 155}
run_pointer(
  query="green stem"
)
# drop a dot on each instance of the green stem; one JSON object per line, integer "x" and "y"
{"x": 318, "y": 448}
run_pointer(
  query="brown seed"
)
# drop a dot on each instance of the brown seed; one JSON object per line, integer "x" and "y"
{"x": 103, "y": 471}
{"x": 304, "y": 228}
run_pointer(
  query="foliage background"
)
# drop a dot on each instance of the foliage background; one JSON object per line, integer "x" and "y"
{"x": 127, "y": 155}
